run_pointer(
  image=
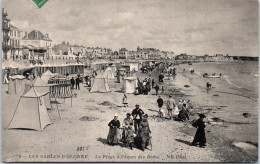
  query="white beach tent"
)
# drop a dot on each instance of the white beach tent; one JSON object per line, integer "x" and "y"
{"x": 31, "y": 112}
{"x": 129, "y": 85}
{"x": 17, "y": 85}
{"x": 100, "y": 84}
{"x": 113, "y": 67}
{"x": 46, "y": 76}
{"x": 109, "y": 73}
{"x": 41, "y": 87}
{"x": 10, "y": 64}
{"x": 133, "y": 66}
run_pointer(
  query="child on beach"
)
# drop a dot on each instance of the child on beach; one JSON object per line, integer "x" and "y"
{"x": 125, "y": 101}
{"x": 162, "y": 90}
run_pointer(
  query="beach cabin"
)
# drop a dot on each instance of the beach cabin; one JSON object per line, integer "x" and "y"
{"x": 134, "y": 66}
{"x": 129, "y": 85}
{"x": 17, "y": 85}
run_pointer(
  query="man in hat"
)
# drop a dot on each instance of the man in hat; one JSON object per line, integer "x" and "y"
{"x": 170, "y": 104}
{"x": 200, "y": 136}
{"x": 137, "y": 114}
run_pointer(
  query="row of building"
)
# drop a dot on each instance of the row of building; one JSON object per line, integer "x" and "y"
{"x": 35, "y": 45}
{"x": 205, "y": 58}
{"x": 145, "y": 53}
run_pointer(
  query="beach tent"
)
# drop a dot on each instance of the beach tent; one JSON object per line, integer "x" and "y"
{"x": 10, "y": 64}
{"x": 100, "y": 84}
{"x": 41, "y": 87}
{"x": 31, "y": 112}
{"x": 133, "y": 66}
{"x": 129, "y": 85}
{"x": 113, "y": 67}
{"x": 17, "y": 85}
{"x": 109, "y": 73}
{"x": 46, "y": 76}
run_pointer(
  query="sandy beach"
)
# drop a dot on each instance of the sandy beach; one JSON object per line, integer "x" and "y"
{"x": 80, "y": 134}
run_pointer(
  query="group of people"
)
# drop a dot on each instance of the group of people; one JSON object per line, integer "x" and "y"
{"x": 144, "y": 87}
{"x": 147, "y": 69}
{"x": 179, "y": 109}
{"x": 76, "y": 81}
{"x": 136, "y": 130}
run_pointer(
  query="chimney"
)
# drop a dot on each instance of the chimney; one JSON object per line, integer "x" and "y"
{"x": 68, "y": 43}
{"x": 26, "y": 35}
{"x": 63, "y": 42}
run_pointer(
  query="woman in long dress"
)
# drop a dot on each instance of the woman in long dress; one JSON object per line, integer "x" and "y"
{"x": 128, "y": 132}
{"x": 200, "y": 136}
{"x": 144, "y": 133}
{"x": 114, "y": 134}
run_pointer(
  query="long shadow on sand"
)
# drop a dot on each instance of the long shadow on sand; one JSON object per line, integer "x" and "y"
{"x": 104, "y": 141}
{"x": 183, "y": 141}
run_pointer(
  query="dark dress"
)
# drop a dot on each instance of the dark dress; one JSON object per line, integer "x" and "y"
{"x": 156, "y": 89}
{"x": 113, "y": 134}
{"x": 72, "y": 81}
{"x": 160, "y": 102}
{"x": 200, "y": 133}
{"x": 143, "y": 137}
{"x": 183, "y": 115}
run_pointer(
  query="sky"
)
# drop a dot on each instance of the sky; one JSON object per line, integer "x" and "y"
{"x": 195, "y": 27}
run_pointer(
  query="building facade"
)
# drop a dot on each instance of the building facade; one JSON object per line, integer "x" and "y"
{"x": 98, "y": 52}
{"x": 15, "y": 43}
{"x": 123, "y": 53}
{"x": 39, "y": 45}
{"x": 148, "y": 53}
{"x": 5, "y": 35}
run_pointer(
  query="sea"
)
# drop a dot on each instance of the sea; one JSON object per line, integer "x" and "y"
{"x": 238, "y": 77}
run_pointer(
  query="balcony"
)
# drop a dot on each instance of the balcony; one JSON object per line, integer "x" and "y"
{"x": 5, "y": 26}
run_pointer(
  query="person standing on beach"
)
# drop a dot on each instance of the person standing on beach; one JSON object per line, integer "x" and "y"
{"x": 72, "y": 81}
{"x": 156, "y": 88}
{"x": 144, "y": 133}
{"x": 77, "y": 83}
{"x": 162, "y": 90}
{"x": 153, "y": 83}
{"x": 113, "y": 135}
{"x": 160, "y": 104}
{"x": 170, "y": 106}
{"x": 127, "y": 135}
{"x": 200, "y": 133}
{"x": 125, "y": 101}
{"x": 137, "y": 114}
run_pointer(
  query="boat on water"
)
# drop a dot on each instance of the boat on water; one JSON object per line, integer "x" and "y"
{"x": 205, "y": 75}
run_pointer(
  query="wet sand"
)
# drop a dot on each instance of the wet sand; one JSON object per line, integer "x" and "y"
{"x": 227, "y": 108}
